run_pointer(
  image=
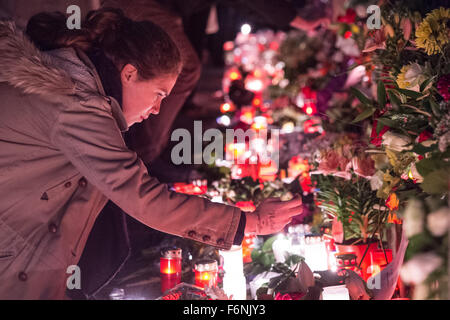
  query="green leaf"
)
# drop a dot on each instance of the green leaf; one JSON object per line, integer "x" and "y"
{"x": 395, "y": 101}
{"x": 437, "y": 182}
{"x": 267, "y": 260}
{"x": 421, "y": 149}
{"x": 364, "y": 115}
{"x": 418, "y": 243}
{"x": 425, "y": 84}
{"x": 435, "y": 108}
{"x": 267, "y": 246}
{"x": 388, "y": 122}
{"x": 426, "y": 166}
{"x": 410, "y": 93}
{"x": 256, "y": 254}
{"x": 381, "y": 94}
{"x": 361, "y": 97}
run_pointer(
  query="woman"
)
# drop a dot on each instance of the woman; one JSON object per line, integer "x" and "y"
{"x": 62, "y": 155}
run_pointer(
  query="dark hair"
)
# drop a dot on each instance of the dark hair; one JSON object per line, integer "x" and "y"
{"x": 142, "y": 44}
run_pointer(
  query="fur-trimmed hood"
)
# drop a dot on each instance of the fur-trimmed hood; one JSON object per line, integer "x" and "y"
{"x": 24, "y": 66}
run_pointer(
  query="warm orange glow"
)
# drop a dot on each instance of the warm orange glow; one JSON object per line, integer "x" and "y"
{"x": 247, "y": 117}
{"x": 298, "y": 166}
{"x": 170, "y": 266}
{"x": 235, "y": 75}
{"x": 258, "y": 126}
{"x": 237, "y": 149}
{"x": 256, "y": 102}
{"x": 225, "y": 107}
{"x": 205, "y": 278}
{"x": 373, "y": 269}
{"x": 247, "y": 248}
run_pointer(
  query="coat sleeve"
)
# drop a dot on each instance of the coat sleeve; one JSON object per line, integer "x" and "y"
{"x": 89, "y": 137}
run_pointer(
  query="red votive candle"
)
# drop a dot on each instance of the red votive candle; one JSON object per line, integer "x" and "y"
{"x": 170, "y": 268}
{"x": 378, "y": 261}
{"x": 206, "y": 273}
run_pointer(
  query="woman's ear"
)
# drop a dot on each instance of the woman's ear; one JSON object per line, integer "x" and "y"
{"x": 128, "y": 74}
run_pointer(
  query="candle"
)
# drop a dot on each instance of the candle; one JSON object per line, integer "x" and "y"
{"x": 316, "y": 254}
{"x": 170, "y": 268}
{"x": 335, "y": 293}
{"x": 206, "y": 273}
{"x": 280, "y": 248}
{"x": 234, "y": 283}
{"x": 378, "y": 261}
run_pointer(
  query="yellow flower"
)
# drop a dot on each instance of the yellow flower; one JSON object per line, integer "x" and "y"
{"x": 432, "y": 33}
{"x": 401, "y": 80}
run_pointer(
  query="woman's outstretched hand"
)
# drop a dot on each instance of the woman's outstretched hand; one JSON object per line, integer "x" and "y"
{"x": 272, "y": 215}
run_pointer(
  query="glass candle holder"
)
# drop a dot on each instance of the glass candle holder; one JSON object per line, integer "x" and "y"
{"x": 378, "y": 260}
{"x": 170, "y": 268}
{"x": 206, "y": 273}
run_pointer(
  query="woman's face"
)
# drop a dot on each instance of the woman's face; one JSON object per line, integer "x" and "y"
{"x": 141, "y": 98}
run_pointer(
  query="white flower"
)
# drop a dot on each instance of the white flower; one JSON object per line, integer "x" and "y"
{"x": 413, "y": 218}
{"x": 376, "y": 181}
{"x": 417, "y": 269}
{"x": 411, "y": 77}
{"x": 396, "y": 142}
{"x": 438, "y": 221}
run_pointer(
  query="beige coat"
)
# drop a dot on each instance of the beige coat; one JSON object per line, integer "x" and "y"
{"x": 61, "y": 157}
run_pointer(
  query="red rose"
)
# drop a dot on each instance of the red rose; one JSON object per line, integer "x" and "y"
{"x": 350, "y": 16}
{"x": 424, "y": 135}
{"x": 377, "y": 138}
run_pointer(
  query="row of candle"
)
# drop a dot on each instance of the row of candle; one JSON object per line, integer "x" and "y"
{"x": 206, "y": 271}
